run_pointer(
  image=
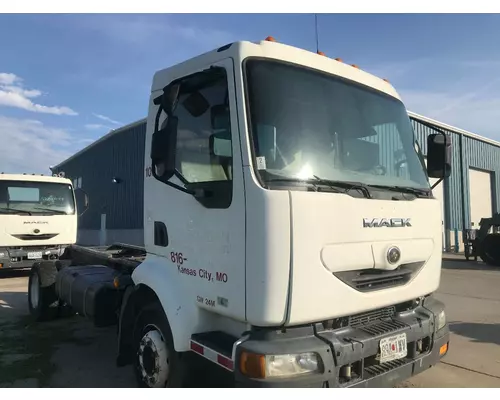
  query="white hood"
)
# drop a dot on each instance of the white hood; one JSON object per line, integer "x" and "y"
{"x": 329, "y": 239}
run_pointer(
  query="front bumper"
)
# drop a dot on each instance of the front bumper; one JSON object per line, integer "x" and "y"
{"x": 19, "y": 258}
{"x": 354, "y": 349}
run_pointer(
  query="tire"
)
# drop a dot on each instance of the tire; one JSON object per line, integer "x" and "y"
{"x": 490, "y": 249}
{"x": 156, "y": 363}
{"x": 42, "y": 298}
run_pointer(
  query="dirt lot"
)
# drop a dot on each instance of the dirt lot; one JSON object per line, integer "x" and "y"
{"x": 71, "y": 353}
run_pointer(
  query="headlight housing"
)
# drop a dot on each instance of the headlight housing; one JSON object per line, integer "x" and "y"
{"x": 279, "y": 365}
{"x": 440, "y": 320}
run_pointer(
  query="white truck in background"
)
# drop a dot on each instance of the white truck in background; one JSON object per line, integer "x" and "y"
{"x": 291, "y": 234}
{"x": 38, "y": 219}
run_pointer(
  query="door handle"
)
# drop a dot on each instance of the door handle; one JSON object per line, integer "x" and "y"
{"x": 160, "y": 234}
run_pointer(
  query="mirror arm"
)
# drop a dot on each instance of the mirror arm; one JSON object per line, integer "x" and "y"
{"x": 180, "y": 188}
{"x": 437, "y": 183}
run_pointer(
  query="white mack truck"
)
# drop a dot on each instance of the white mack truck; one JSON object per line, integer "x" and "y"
{"x": 291, "y": 234}
{"x": 38, "y": 219}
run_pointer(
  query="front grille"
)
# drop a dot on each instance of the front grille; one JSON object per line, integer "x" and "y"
{"x": 44, "y": 236}
{"x": 369, "y": 317}
{"x": 383, "y": 327}
{"x": 370, "y": 279}
{"x": 374, "y": 281}
{"x": 377, "y": 369}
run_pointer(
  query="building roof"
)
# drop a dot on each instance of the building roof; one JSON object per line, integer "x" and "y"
{"x": 101, "y": 139}
{"x": 453, "y": 128}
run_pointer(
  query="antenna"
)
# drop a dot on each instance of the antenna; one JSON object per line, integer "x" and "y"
{"x": 316, "y": 29}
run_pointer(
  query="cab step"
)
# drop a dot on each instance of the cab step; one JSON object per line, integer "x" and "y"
{"x": 215, "y": 346}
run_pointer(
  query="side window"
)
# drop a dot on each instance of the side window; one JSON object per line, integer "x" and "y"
{"x": 204, "y": 146}
{"x": 194, "y": 141}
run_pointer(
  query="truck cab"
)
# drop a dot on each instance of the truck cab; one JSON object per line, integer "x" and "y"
{"x": 291, "y": 234}
{"x": 288, "y": 190}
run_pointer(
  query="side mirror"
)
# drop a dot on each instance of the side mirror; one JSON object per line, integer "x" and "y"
{"x": 82, "y": 201}
{"x": 220, "y": 145}
{"x": 438, "y": 155}
{"x": 163, "y": 148}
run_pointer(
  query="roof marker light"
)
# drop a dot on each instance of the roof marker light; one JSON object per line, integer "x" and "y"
{"x": 321, "y": 53}
{"x": 270, "y": 39}
{"x": 338, "y": 59}
{"x": 355, "y": 66}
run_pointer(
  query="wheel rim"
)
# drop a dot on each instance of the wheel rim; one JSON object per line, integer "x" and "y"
{"x": 34, "y": 291}
{"x": 153, "y": 358}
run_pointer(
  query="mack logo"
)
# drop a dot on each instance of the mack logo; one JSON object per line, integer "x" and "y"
{"x": 387, "y": 222}
{"x": 35, "y": 222}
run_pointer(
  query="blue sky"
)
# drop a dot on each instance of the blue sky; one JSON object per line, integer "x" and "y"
{"x": 66, "y": 80}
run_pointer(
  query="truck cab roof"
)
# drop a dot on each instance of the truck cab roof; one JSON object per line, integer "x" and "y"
{"x": 272, "y": 50}
{"x": 34, "y": 178}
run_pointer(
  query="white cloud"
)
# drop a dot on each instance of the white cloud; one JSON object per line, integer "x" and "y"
{"x": 13, "y": 94}
{"x": 107, "y": 119}
{"x": 8, "y": 79}
{"x": 34, "y": 146}
{"x": 98, "y": 127}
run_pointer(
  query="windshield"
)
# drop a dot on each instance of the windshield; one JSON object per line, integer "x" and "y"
{"x": 24, "y": 197}
{"x": 307, "y": 124}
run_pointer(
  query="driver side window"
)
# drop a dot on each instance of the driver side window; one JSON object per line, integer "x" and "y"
{"x": 203, "y": 113}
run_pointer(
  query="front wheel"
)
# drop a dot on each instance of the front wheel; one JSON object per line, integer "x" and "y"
{"x": 156, "y": 363}
{"x": 42, "y": 298}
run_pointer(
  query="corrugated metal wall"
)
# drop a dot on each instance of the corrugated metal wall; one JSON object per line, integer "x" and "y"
{"x": 120, "y": 155}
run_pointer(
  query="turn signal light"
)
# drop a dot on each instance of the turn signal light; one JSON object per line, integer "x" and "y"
{"x": 253, "y": 365}
{"x": 443, "y": 349}
{"x": 1, "y": 265}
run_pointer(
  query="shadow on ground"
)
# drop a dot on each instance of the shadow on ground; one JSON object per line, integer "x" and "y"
{"x": 14, "y": 273}
{"x": 468, "y": 265}
{"x": 478, "y": 332}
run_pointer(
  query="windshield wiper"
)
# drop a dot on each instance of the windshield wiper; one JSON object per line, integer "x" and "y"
{"x": 332, "y": 184}
{"x": 404, "y": 189}
{"x": 348, "y": 186}
{"x": 51, "y": 210}
{"x": 15, "y": 210}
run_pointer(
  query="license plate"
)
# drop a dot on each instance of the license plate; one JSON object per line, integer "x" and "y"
{"x": 393, "y": 348}
{"x": 34, "y": 255}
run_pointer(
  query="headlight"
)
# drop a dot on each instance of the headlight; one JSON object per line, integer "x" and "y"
{"x": 279, "y": 366}
{"x": 440, "y": 320}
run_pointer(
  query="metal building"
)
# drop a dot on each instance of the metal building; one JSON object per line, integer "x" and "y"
{"x": 111, "y": 171}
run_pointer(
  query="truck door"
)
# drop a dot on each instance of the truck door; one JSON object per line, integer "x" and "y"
{"x": 195, "y": 221}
